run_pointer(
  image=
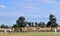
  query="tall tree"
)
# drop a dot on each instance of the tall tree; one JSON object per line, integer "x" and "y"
{"x": 52, "y": 23}
{"x": 21, "y": 22}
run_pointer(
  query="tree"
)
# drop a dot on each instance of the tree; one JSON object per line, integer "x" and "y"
{"x": 26, "y": 23}
{"x": 21, "y": 22}
{"x": 36, "y": 24}
{"x": 52, "y": 23}
{"x": 4, "y": 26}
{"x": 32, "y": 24}
{"x": 16, "y": 26}
{"x": 48, "y": 24}
{"x": 41, "y": 24}
{"x": 29, "y": 23}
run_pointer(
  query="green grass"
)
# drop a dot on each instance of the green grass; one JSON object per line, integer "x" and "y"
{"x": 30, "y": 34}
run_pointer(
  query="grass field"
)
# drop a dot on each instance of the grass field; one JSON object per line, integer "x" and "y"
{"x": 30, "y": 34}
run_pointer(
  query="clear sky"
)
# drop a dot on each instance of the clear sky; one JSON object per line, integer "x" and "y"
{"x": 32, "y": 10}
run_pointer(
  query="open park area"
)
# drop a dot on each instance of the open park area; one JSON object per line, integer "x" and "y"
{"x": 29, "y": 17}
{"x": 30, "y": 34}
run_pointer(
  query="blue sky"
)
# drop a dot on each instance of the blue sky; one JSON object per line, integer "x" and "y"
{"x": 32, "y": 10}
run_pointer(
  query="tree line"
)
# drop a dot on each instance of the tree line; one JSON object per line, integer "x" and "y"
{"x": 21, "y": 23}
